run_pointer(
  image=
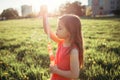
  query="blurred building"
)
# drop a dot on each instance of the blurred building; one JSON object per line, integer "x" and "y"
{"x": 26, "y": 10}
{"x": 103, "y": 7}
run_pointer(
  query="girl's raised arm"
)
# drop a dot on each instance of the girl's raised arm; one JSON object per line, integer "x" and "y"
{"x": 46, "y": 27}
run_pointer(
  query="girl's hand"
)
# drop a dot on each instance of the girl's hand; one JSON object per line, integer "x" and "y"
{"x": 43, "y": 10}
{"x": 53, "y": 68}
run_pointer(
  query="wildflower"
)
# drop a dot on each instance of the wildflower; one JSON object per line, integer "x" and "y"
{"x": 89, "y": 59}
{"x": 1, "y": 62}
{"x": 5, "y": 73}
{"x": 94, "y": 62}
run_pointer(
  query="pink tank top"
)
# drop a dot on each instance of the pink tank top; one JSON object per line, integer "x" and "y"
{"x": 62, "y": 61}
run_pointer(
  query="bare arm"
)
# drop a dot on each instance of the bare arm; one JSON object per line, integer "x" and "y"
{"x": 47, "y": 29}
{"x": 74, "y": 66}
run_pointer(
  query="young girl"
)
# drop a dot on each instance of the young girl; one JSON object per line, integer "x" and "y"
{"x": 69, "y": 55}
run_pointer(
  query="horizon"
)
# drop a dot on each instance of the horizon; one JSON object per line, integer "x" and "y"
{"x": 53, "y": 5}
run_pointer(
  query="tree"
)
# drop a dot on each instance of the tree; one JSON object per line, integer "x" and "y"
{"x": 116, "y": 12}
{"x": 72, "y": 8}
{"x": 89, "y": 11}
{"x": 10, "y": 13}
{"x": 31, "y": 15}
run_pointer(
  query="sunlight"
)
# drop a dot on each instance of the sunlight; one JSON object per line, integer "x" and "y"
{"x": 50, "y": 4}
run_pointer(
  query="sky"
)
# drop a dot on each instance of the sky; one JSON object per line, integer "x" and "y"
{"x": 52, "y": 4}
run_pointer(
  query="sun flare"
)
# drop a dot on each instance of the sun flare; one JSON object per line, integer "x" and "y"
{"x": 51, "y": 5}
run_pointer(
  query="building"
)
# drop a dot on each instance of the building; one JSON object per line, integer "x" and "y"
{"x": 26, "y": 10}
{"x": 103, "y": 7}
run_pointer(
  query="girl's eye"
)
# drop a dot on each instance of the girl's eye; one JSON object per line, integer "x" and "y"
{"x": 59, "y": 28}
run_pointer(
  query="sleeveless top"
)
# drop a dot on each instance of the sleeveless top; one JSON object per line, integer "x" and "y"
{"x": 62, "y": 61}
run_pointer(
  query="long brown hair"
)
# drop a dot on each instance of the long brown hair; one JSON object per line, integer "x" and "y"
{"x": 73, "y": 25}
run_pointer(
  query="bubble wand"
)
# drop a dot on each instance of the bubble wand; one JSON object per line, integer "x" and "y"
{"x": 51, "y": 55}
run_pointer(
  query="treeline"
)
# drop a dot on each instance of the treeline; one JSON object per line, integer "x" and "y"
{"x": 68, "y": 8}
{"x": 11, "y": 13}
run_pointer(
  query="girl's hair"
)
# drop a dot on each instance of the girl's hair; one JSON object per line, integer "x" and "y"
{"x": 73, "y": 25}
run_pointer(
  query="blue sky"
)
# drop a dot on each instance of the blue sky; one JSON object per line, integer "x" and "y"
{"x": 52, "y": 4}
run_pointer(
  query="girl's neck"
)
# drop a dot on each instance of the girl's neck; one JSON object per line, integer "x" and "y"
{"x": 66, "y": 43}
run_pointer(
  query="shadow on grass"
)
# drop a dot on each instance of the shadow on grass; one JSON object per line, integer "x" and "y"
{"x": 104, "y": 48}
{"x": 116, "y": 50}
{"x": 110, "y": 68}
{"x": 11, "y": 48}
{"x": 103, "y": 18}
{"x": 9, "y": 72}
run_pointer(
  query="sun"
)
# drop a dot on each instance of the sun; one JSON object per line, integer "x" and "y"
{"x": 51, "y": 5}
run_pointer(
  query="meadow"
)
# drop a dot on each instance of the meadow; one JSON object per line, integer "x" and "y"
{"x": 24, "y": 55}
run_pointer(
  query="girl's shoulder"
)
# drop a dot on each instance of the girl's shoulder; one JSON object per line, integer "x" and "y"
{"x": 74, "y": 51}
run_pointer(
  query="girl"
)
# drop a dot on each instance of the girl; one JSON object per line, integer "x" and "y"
{"x": 69, "y": 55}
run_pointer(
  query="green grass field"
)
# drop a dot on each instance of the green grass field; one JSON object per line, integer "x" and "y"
{"x": 24, "y": 55}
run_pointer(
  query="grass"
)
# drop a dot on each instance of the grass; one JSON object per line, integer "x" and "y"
{"x": 24, "y": 55}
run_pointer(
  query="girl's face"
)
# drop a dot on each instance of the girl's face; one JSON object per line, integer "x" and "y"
{"x": 61, "y": 31}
